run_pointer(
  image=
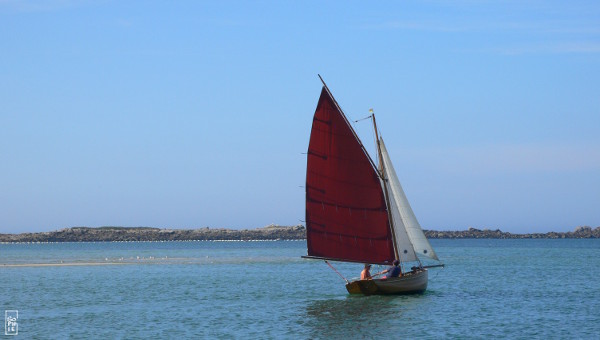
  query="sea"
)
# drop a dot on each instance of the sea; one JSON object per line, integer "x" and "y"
{"x": 489, "y": 288}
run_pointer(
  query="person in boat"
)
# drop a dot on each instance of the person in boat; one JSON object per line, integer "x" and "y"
{"x": 394, "y": 271}
{"x": 366, "y": 274}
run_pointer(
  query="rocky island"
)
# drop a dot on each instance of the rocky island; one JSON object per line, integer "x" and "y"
{"x": 124, "y": 234}
{"x": 271, "y": 232}
{"x": 579, "y": 232}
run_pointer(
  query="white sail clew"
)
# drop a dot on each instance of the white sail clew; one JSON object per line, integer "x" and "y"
{"x": 402, "y": 207}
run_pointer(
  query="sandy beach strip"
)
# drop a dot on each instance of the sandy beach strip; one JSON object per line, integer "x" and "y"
{"x": 64, "y": 264}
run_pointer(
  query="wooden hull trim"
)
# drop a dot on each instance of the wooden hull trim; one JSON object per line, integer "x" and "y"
{"x": 409, "y": 283}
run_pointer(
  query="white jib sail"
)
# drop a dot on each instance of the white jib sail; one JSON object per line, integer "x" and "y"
{"x": 407, "y": 216}
{"x": 406, "y": 251}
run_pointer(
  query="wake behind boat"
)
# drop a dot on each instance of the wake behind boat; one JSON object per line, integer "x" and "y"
{"x": 357, "y": 211}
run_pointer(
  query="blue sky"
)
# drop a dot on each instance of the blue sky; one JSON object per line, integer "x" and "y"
{"x": 196, "y": 113}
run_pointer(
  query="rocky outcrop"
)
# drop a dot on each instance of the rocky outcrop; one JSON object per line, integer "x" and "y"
{"x": 579, "y": 232}
{"x": 271, "y": 232}
{"x": 116, "y": 234}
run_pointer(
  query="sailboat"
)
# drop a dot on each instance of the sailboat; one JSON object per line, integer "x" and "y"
{"x": 356, "y": 211}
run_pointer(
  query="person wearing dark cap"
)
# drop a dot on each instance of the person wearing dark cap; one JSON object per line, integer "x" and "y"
{"x": 395, "y": 270}
{"x": 365, "y": 274}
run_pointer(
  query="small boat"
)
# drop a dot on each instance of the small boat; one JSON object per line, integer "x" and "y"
{"x": 356, "y": 211}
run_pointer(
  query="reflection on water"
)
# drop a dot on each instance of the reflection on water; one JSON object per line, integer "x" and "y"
{"x": 359, "y": 315}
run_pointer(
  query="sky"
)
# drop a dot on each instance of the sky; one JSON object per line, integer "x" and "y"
{"x": 195, "y": 114}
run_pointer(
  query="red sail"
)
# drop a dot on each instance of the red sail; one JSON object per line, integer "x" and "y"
{"x": 346, "y": 217}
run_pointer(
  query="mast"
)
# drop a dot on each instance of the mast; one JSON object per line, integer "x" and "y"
{"x": 385, "y": 191}
{"x": 413, "y": 230}
{"x": 404, "y": 245}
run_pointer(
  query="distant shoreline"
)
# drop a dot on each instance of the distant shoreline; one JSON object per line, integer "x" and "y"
{"x": 272, "y": 232}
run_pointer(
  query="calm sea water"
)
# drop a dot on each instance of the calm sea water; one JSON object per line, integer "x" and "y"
{"x": 489, "y": 288}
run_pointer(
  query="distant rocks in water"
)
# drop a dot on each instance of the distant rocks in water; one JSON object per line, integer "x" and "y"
{"x": 580, "y": 232}
{"x": 270, "y": 232}
{"x": 125, "y": 234}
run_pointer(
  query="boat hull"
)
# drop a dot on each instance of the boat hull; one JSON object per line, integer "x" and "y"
{"x": 409, "y": 283}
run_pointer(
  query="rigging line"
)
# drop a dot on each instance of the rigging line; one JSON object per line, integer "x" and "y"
{"x": 329, "y": 264}
{"x": 367, "y": 117}
{"x": 436, "y": 274}
{"x": 372, "y": 117}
